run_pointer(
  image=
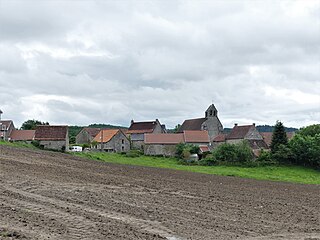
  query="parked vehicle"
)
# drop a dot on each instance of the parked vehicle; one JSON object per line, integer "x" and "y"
{"x": 76, "y": 149}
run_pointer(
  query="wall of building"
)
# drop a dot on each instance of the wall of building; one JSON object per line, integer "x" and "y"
{"x": 234, "y": 141}
{"x": 160, "y": 150}
{"x": 254, "y": 134}
{"x": 54, "y": 145}
{"x": 119, "y": 143}
{"x": 83, "y": 137}
{"x": 213, "y": 126}
{"x": 137, "y": 145}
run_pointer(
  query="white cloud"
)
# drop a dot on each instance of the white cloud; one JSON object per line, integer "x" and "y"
{"x": 80, "y": 62}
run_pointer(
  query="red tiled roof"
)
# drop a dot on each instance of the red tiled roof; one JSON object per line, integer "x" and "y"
{"x": 22, "y": 135}
{"x": 142, "y": 127}
{"x": 239, "y": 132}
{"x": 192, "y": 124}
{"x": 106, "y": 134}
{"x": 92, "y": 131}
{"x": 175, "y": 138}
{"x": 220, "y": 138}
{"x": 204, "y": 148}
{"x": 196, "y": 136}
{"x": 267, "y": 136}
{"x": 51, "y": 133}
{"x": 164, "y": 138}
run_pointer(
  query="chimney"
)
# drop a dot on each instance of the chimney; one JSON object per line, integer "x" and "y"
{"x": 132, "y": 121}
{"x": 254, "y": 124}
{"x": 236, "y": 124}
{"x": 0, "y": 114}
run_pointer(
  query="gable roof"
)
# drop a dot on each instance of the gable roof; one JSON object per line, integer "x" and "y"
{"x": 106, "y": 134}
{"x": 257, "y": 144}
{"x": 204, "y": 148}
{"x": 176, "y": 138}
{"x": 220, "y": 138}
{"x": 193, "y": 136}
{"x": 92, "y": 131}
{"x": 142, "y": 127}
{"x": 192, "y": 124}
{"x": 239, "y": 132}
{"x": 51, "y": 133}
{"x": 22, "y": 135}
{"x": 267, "y": 136}
{"x": 164, "y": 138}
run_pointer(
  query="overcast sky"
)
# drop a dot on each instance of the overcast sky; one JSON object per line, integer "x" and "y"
{"x": 81, "y": 62}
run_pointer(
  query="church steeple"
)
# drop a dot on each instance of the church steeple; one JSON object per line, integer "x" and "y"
{"x": 211, "y": 111}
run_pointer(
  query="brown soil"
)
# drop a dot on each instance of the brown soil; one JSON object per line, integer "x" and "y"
{"x": 47, "y": 195}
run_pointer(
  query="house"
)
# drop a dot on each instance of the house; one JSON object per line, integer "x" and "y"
{"x": 164, "y": 144}
{"x": 267, "y": 136}
{"x": 6, "y": 128}
{"x": 137, "y": 130}
{"x": 248, "y": 133}
{"x": 218, "y": 140}
{"x": 52, "y": 137}
{"x": 22, "y": 135}
{"x": 112, "y": 140}
{"x": 210, "y": 123}
{"x": 86, "y": 135}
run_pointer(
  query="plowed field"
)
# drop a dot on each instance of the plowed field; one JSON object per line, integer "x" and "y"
{"x": 48, "y": 195}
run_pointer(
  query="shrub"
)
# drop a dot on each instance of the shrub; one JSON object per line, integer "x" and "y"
{"x": 225, "y": 153}
{"x": 35, "y": 143}
{"x": 283, "y": 154}
{"x": 306, "y": 150}
{"x": 183, "y": 150}
{"x": 233, "y": 153}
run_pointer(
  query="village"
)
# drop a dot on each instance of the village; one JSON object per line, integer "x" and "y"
{"x": 151, "y": 137}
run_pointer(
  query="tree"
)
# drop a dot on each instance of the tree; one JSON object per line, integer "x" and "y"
{"x": 311, "y": 130}
{"x": 305, "y": 146}
{"x": 32, "y": 124}
{"x": 279, "y": 137}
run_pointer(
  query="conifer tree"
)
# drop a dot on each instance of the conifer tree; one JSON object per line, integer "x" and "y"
{"x": 279, "y": 137}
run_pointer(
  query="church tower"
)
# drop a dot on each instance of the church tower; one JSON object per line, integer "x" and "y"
{"x": 211, "y": 111}
{"x": 212, "y": 123}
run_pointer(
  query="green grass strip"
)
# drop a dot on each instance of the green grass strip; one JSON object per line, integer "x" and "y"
{"x": 295, "y": 174}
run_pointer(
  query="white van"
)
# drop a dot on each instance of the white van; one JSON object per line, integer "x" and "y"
{"x": 75, "y": 149}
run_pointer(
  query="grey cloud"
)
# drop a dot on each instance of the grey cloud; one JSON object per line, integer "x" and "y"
{"x": 111, "y": 61}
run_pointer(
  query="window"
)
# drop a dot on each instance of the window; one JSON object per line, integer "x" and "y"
{"x": 122, "y": 141}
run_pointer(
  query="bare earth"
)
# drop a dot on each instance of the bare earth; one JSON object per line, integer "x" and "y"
{"x": 47, "y": 195}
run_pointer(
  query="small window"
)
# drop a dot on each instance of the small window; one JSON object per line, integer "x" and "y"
{"x": 122, "y": 141}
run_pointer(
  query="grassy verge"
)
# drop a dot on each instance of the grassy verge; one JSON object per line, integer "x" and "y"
{"x": 294, "y": 174}
{"x": 18, "y": 144}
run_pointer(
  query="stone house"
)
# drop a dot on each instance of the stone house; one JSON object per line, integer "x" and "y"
{"x": 6, "y": 128}
{"x": 218, "y": 140}
{"x": 112, "y": 140}
{"x": 210, "y": 123}
{"x": 248, "y": 133}
{"x": 86, "y": 135}
{"x": 137, "y": 130}
{"x": 52, "y": 137}
{"x": 22, "y": 135}
{"x": 164, "y": 144}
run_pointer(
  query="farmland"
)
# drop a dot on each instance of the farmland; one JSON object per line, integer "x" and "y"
{"x": 51, "y": 195}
